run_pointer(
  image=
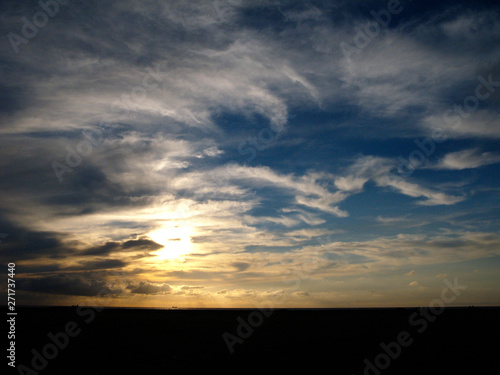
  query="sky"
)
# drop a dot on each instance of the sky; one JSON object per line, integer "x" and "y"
{"x": 235, "y": 153}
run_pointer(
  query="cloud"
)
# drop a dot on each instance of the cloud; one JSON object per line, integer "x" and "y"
{"x": 145, "y": 287}
{"x": 23, "y": 243}
{"x": 191, "y": 290}
{"x": 141, "y": 244}
{"x": 241, "y": 293}
{"x": 101, "y": 264}
{"x": 389, "y": 84}
{"x": 180, "y": 96}
{"x": 466, "y": 159}
{"x": 411, "y": 249}
{"x": 413, "y": 283}
{"x": 416, "y": 191}
{"x": 304, "y": 190}
{"x": 380, "y": 170}
{"x": 240, "y": 266}
{"x": 350, "y": 183}
{"x": 301, "y": 293}
{"x": 191, "y": 287}
{"x": 65, "y": 285}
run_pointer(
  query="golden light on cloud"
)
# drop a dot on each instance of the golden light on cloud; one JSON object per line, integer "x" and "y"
{"x": 176, "y": 241}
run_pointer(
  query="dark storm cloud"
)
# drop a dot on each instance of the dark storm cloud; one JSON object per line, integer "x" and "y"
{"x": 64, "y": 285}
{"x": 130, "y": 245}
{"x": 149, "y": 288}
{"x": 34, "y": 269}
{"x": 99, "y": 264}
{"x": 29, "y": 175}
{"x": 22, "y": 243}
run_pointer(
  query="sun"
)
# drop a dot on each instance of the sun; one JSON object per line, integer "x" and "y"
{"x": 175, "y": 239}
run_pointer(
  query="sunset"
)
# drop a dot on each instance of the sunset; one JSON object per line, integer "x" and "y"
{"x": 234, "y": 154}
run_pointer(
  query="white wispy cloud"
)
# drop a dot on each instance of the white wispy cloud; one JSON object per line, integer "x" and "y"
{"x": 466, "y": 159}
{"x": 379, "y": 170}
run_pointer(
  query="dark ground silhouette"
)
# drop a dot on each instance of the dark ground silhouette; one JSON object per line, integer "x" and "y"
{"x": 135, "y": 341}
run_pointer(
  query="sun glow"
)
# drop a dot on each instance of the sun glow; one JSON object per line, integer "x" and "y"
{"x": 176, "y": 241}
